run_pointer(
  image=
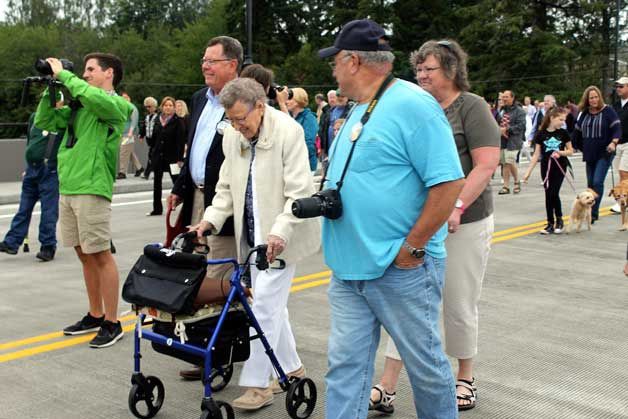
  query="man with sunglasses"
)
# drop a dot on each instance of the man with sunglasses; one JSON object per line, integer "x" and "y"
{"x": 621, "y": 146}
{"x": 196, "y": 185}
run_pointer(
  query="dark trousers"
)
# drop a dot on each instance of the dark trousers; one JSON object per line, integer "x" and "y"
{"x": 596, "y": 174}
{"x": 149, "y": 163}
{"x": 39, "y": 184}
{"x": 159, "y": 169}
{"x": 553, "y": 206}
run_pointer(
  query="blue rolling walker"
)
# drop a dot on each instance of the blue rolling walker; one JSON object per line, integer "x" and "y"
{"x": 146, "y": 396}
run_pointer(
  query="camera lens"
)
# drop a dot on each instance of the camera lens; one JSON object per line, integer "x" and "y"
{"x": 43, "y": 67}
{"x": 307, "y": 207}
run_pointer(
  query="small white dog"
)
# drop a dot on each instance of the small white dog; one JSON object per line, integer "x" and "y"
{"x": 581, "y": 210}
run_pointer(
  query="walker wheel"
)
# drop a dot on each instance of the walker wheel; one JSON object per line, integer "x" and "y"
{"x": 301, "y": 398}
{"x": 220, "y": 377}
{"x": 217, "y": 410}
{"x": 146, "y": 397}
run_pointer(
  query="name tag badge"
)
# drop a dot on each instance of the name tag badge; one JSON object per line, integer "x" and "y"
{"x": 222, "y": 126}
{"x": 356, "y": 130}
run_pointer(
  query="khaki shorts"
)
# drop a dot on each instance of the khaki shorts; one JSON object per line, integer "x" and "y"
{"x": 85, "y": 221}
{"x": 508, "y": 156}
{"x": 621, "y": 157}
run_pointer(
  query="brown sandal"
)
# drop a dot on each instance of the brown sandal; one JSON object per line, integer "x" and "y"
{"x": 517, "y": 187}
{"x": 503, "y": 191}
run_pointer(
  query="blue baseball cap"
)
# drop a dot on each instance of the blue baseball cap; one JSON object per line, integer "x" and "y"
{"x": 358, "y": 35}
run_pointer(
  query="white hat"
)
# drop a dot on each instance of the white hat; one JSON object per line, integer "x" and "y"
{"x": 622, "y": 80}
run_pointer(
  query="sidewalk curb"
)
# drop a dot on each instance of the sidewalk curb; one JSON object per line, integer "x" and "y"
{"x": 118, "y": 188}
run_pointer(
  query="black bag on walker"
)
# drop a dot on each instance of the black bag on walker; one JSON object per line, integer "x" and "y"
{"x": 231, "y": 346}
{"x": 166, "y": 280}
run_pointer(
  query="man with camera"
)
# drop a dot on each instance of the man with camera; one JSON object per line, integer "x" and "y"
{"x": 196, "y": 184}
{"x": 87, "y": 161}
{"x": 397, "y": 178}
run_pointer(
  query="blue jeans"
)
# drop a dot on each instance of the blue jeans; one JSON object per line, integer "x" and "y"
{"x": 407, "y": 303}
{"x": 596, "y": 174}
{"x": 39, "y": 184}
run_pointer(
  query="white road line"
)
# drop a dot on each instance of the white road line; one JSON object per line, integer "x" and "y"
{"x": 115, "y": 204}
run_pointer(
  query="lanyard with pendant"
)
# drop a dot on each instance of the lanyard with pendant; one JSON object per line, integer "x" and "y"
{"x": 356, "y": 130}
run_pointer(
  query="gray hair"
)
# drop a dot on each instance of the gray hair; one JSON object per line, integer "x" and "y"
{"x": 231, "y": 48}
{"x": 150, "y": 101}
{"x": 378, "y": 60}
{"x": 551, "y": 98}
{"x": 244, "y": 90}
{"x": 452, "y": 59}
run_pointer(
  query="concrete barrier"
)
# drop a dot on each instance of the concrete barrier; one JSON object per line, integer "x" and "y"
{"x": 12, "y": 161}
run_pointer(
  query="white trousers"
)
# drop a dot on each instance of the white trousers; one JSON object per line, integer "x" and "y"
{"x": 271, "y": 289}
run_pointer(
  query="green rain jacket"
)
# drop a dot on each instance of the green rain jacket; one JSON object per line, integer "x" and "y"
{"x": 88, "y": 168}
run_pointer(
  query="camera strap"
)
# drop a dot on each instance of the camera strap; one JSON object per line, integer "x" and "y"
{"x": 75, "y": 105}
{"x": 356, "y": 130}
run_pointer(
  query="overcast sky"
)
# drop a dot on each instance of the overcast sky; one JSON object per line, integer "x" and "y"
{"x": 3, "y": 9}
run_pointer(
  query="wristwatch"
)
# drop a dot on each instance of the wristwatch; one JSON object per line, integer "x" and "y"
{"x": 418, "y": 253}
{"x": 460, "y": 205}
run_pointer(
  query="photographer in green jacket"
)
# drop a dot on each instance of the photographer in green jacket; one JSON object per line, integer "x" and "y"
{"x": 87, "y": 159}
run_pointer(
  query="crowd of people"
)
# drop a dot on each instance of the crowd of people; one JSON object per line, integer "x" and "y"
{"x": 420, "y": 249}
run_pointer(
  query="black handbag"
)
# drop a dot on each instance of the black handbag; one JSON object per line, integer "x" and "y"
{"x": 166, "y": 280}
{"x": 232, "y": 344}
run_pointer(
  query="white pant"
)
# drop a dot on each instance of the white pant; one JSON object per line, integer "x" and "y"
{"x": 271, "y": 289}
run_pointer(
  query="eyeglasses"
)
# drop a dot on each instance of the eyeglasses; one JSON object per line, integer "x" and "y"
{"x": 332, "y": 63}
{"x": 209, "y": 62}
{"x": 241, "y": 121}
{"x": 426, "y": 70}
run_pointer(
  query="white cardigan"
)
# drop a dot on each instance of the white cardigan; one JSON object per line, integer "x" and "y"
{"x": 282, "y": 174}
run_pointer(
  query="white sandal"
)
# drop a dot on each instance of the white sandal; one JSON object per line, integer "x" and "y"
{"x": 384, "y": 403}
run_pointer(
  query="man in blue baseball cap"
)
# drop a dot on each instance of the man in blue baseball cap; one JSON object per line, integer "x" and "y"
{"x": 387, "y": 250}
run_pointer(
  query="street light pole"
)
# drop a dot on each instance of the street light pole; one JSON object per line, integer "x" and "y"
{"x": 616, "y": 63}
{"x": 248, "y": 58}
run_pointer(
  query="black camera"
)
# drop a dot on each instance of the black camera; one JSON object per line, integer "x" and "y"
{"x": 43, "y": 67}
{"x": 326, "y": 203}
{"x": 272, "y": 92}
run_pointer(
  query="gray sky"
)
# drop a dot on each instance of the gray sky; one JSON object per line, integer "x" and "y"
{"x": 3, "y": 9}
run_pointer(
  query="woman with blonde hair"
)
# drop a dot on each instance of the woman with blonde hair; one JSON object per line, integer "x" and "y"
{"x": 168, "y": 143}
{"x": 596, "y": 133}
{"x": 297, "y": 107}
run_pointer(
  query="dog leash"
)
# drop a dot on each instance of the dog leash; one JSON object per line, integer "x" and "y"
{"x": 549, "y": 167}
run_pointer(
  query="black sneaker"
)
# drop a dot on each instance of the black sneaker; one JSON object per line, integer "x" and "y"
{"x": 559, "y": 227}
{"x": 108, "y": 334}
{"x": 549, "y": 229}
{"x": 139, "y": 172}
{"x": 6, "y": 249}
{"x": 46, "y": 254}
{"x": 87, "y": 324}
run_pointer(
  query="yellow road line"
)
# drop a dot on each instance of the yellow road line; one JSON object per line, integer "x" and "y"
{"x": 53, "y": 346}
{"x": 41, "y": 338}
{"x": 324, "y": 274}
{"x": 532, "y": 229}
{"x": 305, "y": 282}
{"x": 312, "y": 284}
{"x": 603, "y": 212}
